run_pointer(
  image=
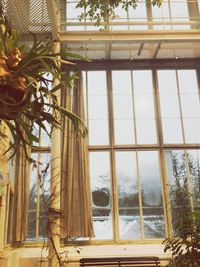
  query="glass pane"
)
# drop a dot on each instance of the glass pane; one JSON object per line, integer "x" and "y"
{"x": 143, "y": 136}
{"x": 124, "y": 132}
{"x": 123, "y": 107}
{"x": 101, "y": 194}
{"x": 161, "y": 14}
{"x": 192, "y": 130}
{"x": 171, "y": 122}
{"x": 178, "y": 184}
{"x": 187, "y": 81}
{"x": 97, "y": 108}
{"x": 144, "y": 107}
{"x": 194, "y": 167}
{"x": 45, "y": 170}
{"x": 138, "y": 15}
{"x": 172, "y": 132}
{"x": 128, "y": 201}
{"x": 179, "y": 12}
{"x": 32, "y": 199}
{"x": 45, "y": 140}
{"x": 153, "y": 214}
{"x": 40, "y": 172}
{"x": 167, "y": 81}
{"x": 121, "y": 16}
{"x": 72, "y": 14}
{"x": 169, "y": 100}
{"x": 190, "y": 105}
{"x": 142, "y": 81}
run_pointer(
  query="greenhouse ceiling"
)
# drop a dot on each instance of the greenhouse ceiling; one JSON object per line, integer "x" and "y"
{"x": 51, "y": 18}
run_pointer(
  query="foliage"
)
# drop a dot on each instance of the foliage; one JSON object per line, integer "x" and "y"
{"x": 185, "y": 246}
{"x": 27, "y": 87}
{"x": 104, "y": 10}
{"x": 185, "y": 243}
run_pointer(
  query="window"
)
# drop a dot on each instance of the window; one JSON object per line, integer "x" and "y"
{"x": 143, "y": 136}
{"x": 183, "y": 169}
{"x": 39, "y": 188}
{"x": 173, "y": 14}
{"x": 38, "y": 196}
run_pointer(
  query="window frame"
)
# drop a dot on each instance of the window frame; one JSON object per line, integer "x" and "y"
{"x": 39, "y": 150}
{"x": 165, "y": 23}
{"x": 153, "y": 65}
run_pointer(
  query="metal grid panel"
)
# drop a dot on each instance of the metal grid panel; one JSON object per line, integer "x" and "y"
{"x": 27, "y": 15}
{"x": 122, "y": 50}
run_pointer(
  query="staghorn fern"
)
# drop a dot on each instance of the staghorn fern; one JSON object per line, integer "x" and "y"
{"x": 26, "y": 100}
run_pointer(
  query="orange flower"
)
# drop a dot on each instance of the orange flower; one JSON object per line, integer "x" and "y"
{"x": 14, "y": 58}
{"x": 4, "y": 71}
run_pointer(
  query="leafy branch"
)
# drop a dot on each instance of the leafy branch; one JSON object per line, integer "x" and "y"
{"x": 105, "y": 10}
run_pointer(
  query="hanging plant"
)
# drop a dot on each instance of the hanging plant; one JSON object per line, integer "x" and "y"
{"x": 105, "y": 10}
{"x": 27, "y": 90}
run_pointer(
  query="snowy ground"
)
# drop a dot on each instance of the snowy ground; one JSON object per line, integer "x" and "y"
{"x": 130, "y": 227}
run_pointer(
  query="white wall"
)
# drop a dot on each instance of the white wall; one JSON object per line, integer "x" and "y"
{"x": 30, "y": 257}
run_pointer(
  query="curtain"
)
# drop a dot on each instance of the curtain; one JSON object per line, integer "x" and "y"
{"x": 75, "y": 196}
{"x": 21, "y": 198}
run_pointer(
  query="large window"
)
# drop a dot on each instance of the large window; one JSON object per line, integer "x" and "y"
{"x": 144, "y": 140}
{"x": 39, "y": 197}
{"x": 39, "y": 188}
{"x": 173, "y": 14}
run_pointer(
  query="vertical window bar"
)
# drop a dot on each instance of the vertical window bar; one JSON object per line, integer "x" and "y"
{"x": 193, "y": 11}
{"x": 170, "y": 13}
{"x": 114, "y": 190}
{"x": 165, "y": 195}
{"x": 180, "y": 107}
{"x": 189, "y": 179}
{"x": 38, "y": 192}
{"x": 198, "y": 81}
{"x": 128, "y": 19}
{"x": 133, "y": 101}
{"x": 63, "y": 13}
{"x": 86, "y": 97}
{"x": 149, "y": 15}
{"x": 157, "y": 108}
{"x": 140, "y": 197}
{"x": 7, "y": 214}
{"x": 38, "y": 200}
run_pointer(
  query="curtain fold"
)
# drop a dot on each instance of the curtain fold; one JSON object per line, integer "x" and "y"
{"x": 75, "y": 195}
{"x": 21, "y": 198}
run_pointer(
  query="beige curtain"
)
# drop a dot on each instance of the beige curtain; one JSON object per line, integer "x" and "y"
{"x": 76, "y": 196}
{"x": 21, "y": 198}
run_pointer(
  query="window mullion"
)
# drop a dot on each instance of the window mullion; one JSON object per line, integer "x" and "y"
{"x": 189, "y": 179}
{"x": 115, "y": 208}
{"x": 193, "y": 11}
{"x": 133, "y": 103}
{"x": 7, "y": 213}
{"x": 180, "y": 107}
{"x": 38, "y": 201}
{"x": 157, "y": 109}
{"x": 149, "y": 16}
{"x": 137, "y": 162}
{"x": 166, "y": 195}
{"x": 86, "y": 97}
{"x": 140, "y": 197}
{"x": 170, "y": 13}
{"x": 198, "y": 81}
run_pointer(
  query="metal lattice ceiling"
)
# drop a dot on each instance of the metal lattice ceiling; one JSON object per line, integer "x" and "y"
{"x": 120, "y": 50}
{"x": 32, "y": 15}
{"x": 27, "y": 15}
